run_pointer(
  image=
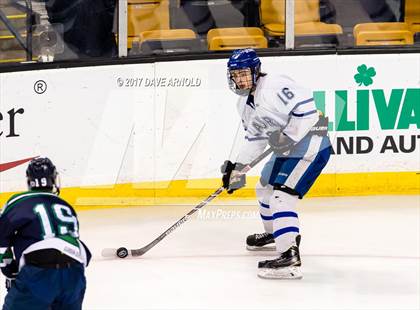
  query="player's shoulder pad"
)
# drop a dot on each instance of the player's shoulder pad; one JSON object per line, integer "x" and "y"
{"x": 288, "y": 85}
{"x": 12, "y": 200}
{"x": 64, "y": 202}
{"x": 278, "y": 79}
{"x": 275, "y": 82}
{"x": 15, "y": 199}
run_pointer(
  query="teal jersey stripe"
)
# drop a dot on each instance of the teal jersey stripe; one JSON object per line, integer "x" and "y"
{"x": 70, "y": 239}
{"x": 21, "y": 197}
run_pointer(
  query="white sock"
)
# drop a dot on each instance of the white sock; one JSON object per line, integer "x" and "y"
{"x": 263, "y": 195}
{"x": 285, "y": 219}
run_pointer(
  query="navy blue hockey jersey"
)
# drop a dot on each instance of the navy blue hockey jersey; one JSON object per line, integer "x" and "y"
{"x": 39, "y": 220}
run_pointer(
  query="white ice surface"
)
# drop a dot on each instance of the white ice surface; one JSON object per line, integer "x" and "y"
{"x": 357, "y": 253}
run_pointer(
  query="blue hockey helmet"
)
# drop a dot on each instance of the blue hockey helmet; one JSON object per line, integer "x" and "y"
{"x": 243, "y": 59}
{"x": 42, "y": 174}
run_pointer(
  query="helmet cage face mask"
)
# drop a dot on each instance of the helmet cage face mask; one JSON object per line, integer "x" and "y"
{"x": 241, "y": 81}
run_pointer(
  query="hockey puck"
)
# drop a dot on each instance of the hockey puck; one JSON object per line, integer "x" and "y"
{"x": 122, "y": 252}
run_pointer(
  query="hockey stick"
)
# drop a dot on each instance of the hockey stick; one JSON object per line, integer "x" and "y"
{"x": 124, "y": 252}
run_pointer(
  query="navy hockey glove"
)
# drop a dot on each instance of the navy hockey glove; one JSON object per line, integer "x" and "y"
{"x": 232, "y": 178}
{"x": 321, "y": 127}
{"x": 11, "y": 272}
{"x": 9, "y": 283}
{"x": 280, "y": 143}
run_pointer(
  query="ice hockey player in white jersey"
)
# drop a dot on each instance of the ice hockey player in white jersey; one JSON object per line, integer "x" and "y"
{"x": 278, "y": 112}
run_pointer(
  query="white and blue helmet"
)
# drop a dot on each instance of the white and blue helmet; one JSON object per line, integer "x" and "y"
{"x": 242, "y": 59}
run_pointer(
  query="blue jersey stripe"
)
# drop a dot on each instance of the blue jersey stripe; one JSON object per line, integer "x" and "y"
{"x": 284, "y": 214}
{"x": 266, "y": 218}
{"x": 264, "y": 205}
{"x": 303, "y": 102}
{"x": 304, "y": 114}
{"x": 285, "y": 230}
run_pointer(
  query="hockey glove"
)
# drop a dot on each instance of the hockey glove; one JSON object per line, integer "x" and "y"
{"x": 9, "y": 283}
{"x": 11, "y": 272}
{"x": 232, "y": 178}
{"x": 321, "y": 127}
{"x": 280, "y": 143}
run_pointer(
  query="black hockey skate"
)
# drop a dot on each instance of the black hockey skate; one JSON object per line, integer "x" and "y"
{"x": 287, "y": 266}
{"x": 259, "y": 242}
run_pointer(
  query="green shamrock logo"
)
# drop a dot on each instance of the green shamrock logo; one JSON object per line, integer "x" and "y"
{"x": 364, "y": 75}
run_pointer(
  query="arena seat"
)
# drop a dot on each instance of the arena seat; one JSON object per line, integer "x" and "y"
{"x": 173, "y": 34}
{"x": 412, "y": 16}
{"x": 148, "y": 20}
{"x": 174, "y": 40}
{"x": 307, "y": 19}
{"x": 383, "y": 34}
{"x": 145, "y": 15}
{"x": 234, "y": 38}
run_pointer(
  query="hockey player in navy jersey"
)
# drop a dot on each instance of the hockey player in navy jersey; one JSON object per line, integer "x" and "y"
{"x": 41, "y": 254}
{"x": 278, "y": 112}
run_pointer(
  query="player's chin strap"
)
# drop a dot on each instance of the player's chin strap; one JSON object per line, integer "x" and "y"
{"x": 57, "y": 185}
{"x": 56, "y": 190}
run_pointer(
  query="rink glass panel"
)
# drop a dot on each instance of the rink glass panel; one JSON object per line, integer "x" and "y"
{"x": 89, "y": 29}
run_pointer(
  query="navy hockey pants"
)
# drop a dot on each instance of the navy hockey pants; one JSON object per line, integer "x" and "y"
{"x": 47, "y": 289}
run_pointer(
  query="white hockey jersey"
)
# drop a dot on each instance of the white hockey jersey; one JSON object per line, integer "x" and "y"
{"x": 278, "y": 103}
